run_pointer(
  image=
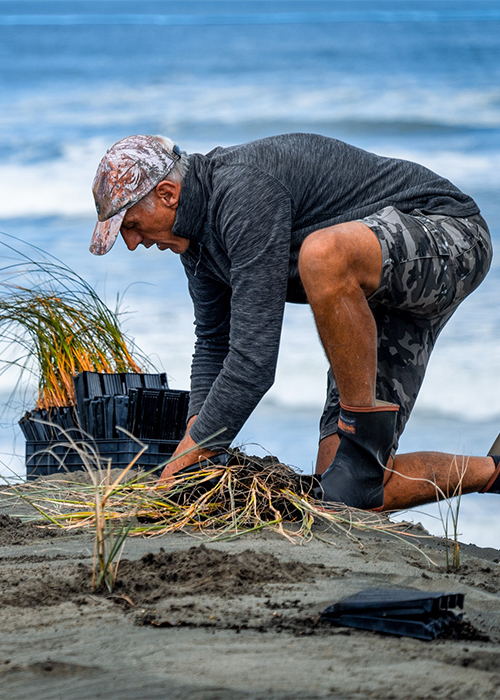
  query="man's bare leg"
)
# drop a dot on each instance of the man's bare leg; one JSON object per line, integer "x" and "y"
{"x": 339, "y": 267}
{"x": 420, "y": 477}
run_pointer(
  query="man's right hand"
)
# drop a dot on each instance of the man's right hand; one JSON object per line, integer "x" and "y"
{"x": 194, "y": 455}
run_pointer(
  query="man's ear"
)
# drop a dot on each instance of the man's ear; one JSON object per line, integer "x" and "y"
{"x": 169, "y": 192}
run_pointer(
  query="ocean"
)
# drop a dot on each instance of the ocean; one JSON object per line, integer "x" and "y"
{"x": 411, "y": 79}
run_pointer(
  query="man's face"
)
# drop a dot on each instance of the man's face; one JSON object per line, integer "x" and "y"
{"x": 151, "y": 224}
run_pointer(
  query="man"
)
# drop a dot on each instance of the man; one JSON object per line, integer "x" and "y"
{"x": 382, "y": 249}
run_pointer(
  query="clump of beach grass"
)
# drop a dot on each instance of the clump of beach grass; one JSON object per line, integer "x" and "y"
{"x": 110, "y": 537}
{"x": 217, "y": 502}
{"x": 55, "y": 325}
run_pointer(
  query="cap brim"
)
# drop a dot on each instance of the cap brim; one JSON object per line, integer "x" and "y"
{"x": 106, "y": 233}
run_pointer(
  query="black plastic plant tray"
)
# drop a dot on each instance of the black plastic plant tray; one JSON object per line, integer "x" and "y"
{"x": 398, "y": 602}
{"x": 44, "y": 458}
{"x": 93, "y": 385}
{"x": 403, "y": 612}
{"x": 35, "y": 423}
{"x": 159, "y": 414}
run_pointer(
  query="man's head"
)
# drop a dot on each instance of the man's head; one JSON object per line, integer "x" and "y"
{"x": 136, "y": 189}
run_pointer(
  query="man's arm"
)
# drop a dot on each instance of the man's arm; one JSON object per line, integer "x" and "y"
{"x": 238, "y": 327}
{"x": 253, "y": 221}
{"x": 211, "y": 299}
{"x": 212, "y": 311}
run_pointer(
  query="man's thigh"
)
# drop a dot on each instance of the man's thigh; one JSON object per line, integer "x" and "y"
{"x": 430, "y": 264}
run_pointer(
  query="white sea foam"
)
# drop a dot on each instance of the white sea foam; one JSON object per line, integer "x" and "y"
{"x": 332, "y": 97}
{"x": 57, "y": 175}
{"x": 56, "y": 187}
{"x": 61, "y": 187}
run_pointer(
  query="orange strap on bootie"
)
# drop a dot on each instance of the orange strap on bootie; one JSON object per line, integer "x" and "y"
{"x": 493, "y": 485}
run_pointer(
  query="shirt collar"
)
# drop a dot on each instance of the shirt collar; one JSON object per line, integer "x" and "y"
{"x": 192, "y": 210}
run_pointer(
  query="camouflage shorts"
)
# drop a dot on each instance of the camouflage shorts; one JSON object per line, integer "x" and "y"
{"x": 430, "y": 264}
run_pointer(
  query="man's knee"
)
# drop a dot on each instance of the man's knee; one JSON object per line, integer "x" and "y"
{"x": 336, "y": 257}
{"x": 324, "y": 257}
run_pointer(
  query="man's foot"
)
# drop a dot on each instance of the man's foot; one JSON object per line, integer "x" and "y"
{"x": 356, "y": 475}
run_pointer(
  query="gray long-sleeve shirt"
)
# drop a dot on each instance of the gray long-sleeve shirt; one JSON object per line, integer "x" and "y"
{"x": 246, "y": 210}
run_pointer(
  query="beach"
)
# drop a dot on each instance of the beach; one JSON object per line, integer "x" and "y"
{"x": 236, "y": 618}
{"x": 190, "y": 617}
{"x": 413, "y": 80}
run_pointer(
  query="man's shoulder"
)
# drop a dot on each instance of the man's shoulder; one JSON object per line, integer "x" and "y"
{"x": 278, "y": 163}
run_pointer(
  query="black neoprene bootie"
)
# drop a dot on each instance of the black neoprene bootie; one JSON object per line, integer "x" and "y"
{"x": 493, "y": 485}
{"x": 356, "y": 475}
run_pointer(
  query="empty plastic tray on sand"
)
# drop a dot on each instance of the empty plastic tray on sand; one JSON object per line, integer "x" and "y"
{"x": 400, "y": 611}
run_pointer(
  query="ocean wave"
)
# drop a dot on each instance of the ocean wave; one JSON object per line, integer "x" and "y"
{"x": 53, "y": 139}
{"x": 61, "y": 186}
{"x": 183, "y": 105}
{"x": 256, "y": 18}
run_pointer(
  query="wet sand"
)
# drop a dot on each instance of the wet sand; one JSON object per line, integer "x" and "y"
{"x": 235, "y": 619}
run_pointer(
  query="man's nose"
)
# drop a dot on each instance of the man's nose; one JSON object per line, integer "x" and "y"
{"x": 132, "y": 240}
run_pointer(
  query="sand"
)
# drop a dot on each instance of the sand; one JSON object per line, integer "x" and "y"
{"x": 234, "y": 619}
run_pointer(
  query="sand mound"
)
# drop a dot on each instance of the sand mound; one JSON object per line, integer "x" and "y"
{"x": 198, "y": 570}
{"x": 201, "y": 570}
{"x": 14, "y": 531}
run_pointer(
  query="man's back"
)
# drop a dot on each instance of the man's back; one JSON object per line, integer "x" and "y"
{"x": 330, "y": 181}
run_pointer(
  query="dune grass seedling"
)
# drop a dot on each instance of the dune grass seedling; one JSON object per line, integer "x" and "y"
{"x": 449, "y": 500}
{"x": 449, "y": 510}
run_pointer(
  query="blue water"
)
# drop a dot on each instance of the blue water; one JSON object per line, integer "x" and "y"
{"x": 418, "y": 80}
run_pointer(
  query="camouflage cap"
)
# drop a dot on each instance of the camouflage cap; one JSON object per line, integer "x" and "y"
{"x": 127, "y": 173}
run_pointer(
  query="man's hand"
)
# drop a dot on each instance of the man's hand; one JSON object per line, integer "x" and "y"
{"x": 192, "y": 457}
